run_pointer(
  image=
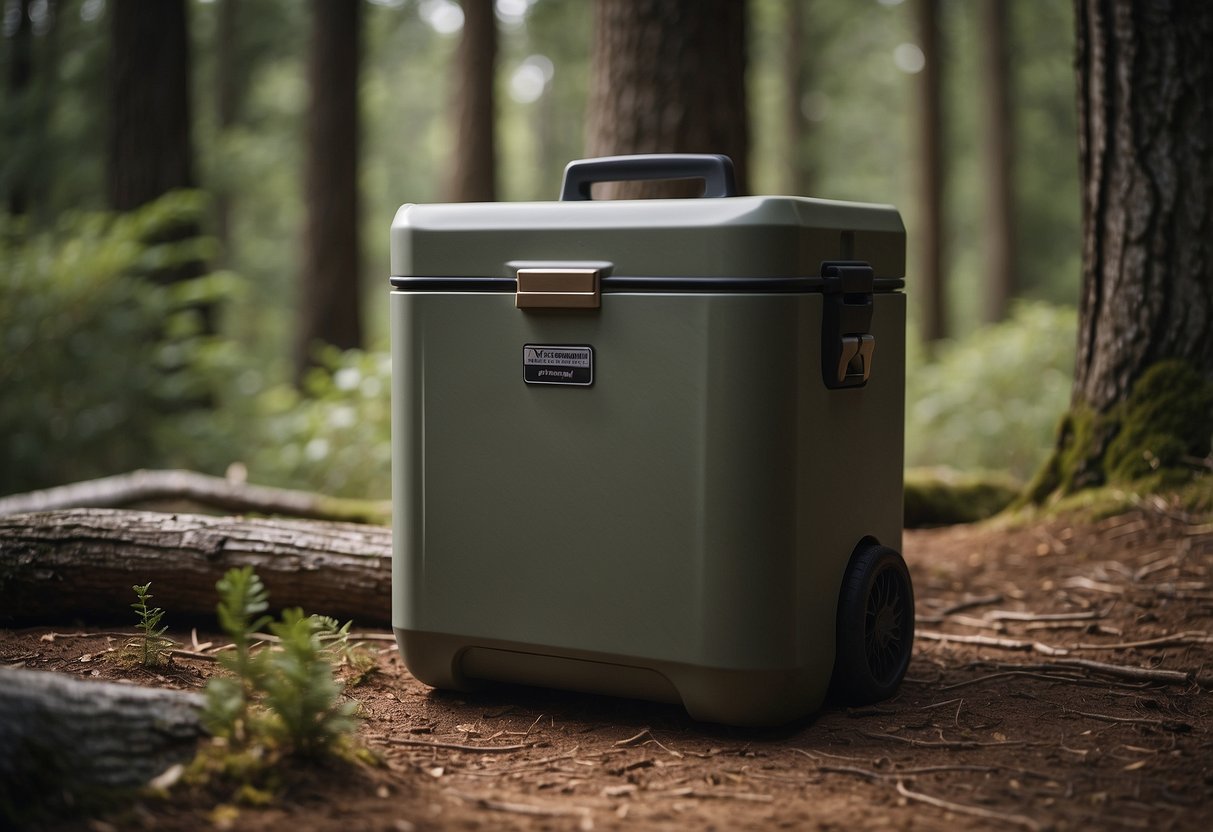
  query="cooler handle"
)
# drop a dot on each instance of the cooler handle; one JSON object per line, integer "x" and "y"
{"x": 715, "y": 171}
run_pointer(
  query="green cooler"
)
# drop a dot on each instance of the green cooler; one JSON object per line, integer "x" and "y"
{"x": 652, "y": 448}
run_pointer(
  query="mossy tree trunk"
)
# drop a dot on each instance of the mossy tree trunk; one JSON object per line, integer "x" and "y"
{"x": 1143, "y": 386}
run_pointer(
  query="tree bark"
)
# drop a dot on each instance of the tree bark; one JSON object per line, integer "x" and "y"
{"x": 1141, "y": 408}
{"x": 998, "y": 161}
{"x": 81, "y": 564}
{"x": 473, "y": 177}
{"x": 144, "y": 486}
{"x": 329, "y": 296}
{"x": 228, "y": 88}
{"x": 150, "y": 150}
{"x": 798, "y": 174}
{"x": 668, "y": 76}
{"x": 930, "y": 278}
{"x": 20, "y": 72}
{"x": 64, "y": 737}
{"x": 1145, "y": 95}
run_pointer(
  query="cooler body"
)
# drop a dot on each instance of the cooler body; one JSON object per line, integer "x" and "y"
{"x": 656, "y": 496}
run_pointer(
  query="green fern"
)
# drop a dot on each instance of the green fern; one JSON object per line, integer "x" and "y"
{"x": 151, "y": 648}
{"x": 285, "y": 695}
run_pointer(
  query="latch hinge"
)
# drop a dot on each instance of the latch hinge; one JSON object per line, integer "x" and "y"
{"x": 558, "y": 289}
{"x": 846, "y": 343}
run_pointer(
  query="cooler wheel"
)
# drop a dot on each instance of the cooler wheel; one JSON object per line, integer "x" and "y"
{"x": 875, "y": 626}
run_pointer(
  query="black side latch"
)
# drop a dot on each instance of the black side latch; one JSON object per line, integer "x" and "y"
{"x": 846, "y": 344}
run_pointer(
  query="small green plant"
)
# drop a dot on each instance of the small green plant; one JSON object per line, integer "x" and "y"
{"x": 150, "y": 648}
{"x": 352, "y": 654}
{"x": 284, "y": 696}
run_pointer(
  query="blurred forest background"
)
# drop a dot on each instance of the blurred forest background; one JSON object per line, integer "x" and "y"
{"x": 110, "y": 360}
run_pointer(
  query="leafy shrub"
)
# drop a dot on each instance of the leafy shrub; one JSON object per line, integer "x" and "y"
{"x": 96, "y": 360}
{"x": 334, "y": 437}
{"x": 992, "y": 400}
{"x": 286, "y": 695}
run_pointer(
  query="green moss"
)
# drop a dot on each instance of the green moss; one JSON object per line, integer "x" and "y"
{"x": 1148, "y": 441}
{"x": 942, "y": 496}
{"x": 1167, "y": 419}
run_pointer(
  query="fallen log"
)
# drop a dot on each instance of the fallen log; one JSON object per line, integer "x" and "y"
{"x": 70, "y": 741}
{"x": 80, "y": 564}
{"x": 145, "y": 486}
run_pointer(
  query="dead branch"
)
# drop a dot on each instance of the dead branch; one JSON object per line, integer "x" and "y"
{"x": 965, "y": 809}
{"x": 146, "y": 486}
{"x": 990, "y": 641}
{"x": 454, "y": 746}
{"x": 59, "y": 734}
{"x": 81, "y": 563}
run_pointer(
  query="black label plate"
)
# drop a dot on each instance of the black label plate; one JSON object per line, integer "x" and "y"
{"x": 558, "y": 364}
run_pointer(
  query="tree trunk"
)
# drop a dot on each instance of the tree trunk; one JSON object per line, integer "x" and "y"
{"x": 798, "y": 174}
{"x": 228, "y": 88}
{"x": 1141, "y": 410}
{"x": 1145, "y": 86}
{"x": 998, "y": 161}
{"x": 150, "y": 150}
{"x": 930, "y": 278}
{"x": 81, "y": 564}
{"x": 329, "y": 296}
{"x": 474, "y": 174}
{"x": 668, "y": 76}
{"x": 66, "y": 740}
{"x": 20, "y": 72}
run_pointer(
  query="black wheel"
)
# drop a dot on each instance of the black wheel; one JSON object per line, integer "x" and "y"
{"x": 875, "y": 626}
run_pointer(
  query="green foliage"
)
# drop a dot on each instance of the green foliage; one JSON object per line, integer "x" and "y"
{"x": 334, "y": 437}
{"x": 991, "y": 400}
{"x": 300, "y": 691}
{"x": 99, "y": 365}
{"x": 285, "y": 697}
{"x": 151, "y": 648}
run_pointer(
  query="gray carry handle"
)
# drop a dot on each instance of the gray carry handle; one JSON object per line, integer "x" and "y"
{"x": 715, "y": 171}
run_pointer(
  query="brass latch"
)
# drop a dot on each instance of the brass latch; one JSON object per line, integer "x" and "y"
{"x": 558, "y": 289}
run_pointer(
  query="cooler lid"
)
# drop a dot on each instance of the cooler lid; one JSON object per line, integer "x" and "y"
{"x": 738, "y": 238}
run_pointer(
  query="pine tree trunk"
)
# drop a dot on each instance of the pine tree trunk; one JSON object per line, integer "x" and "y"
{"x": 20, "y": 71}
{"x": 997, "y": 161}
{"x": 668, "y": 76}
{"x": 798, "y": 175}
{"x": 1141, "y": 410}
{"x": 930, "y": 278}
{"x": 81, "y": 564}
{"x": 1145, "y": 87}
{"x": 474, "y": 175}
{"x": 150, "y": 148}
{"x": 227, "y": 95}
{"x": 329, "y": 292}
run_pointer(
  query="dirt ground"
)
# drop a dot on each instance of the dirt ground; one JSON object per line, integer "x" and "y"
{"x": 1021, "y": 709}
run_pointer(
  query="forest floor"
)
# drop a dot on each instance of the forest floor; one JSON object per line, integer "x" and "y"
{"x": 1025, "y": 706}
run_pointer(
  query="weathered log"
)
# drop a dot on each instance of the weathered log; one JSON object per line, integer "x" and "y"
{"x": 81, "y": 564}
{"x": 145, "y": 486}
{"x": 71, "y": 740}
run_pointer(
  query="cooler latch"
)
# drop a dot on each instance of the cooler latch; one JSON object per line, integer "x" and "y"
{"x": 558, "y": 289}
{"x": 846, "y": 344}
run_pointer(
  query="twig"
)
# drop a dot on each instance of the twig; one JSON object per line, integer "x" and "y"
{"x": 1028, "y": 615}
{"x": 529, "y": 809}
{"x": 958, "y": 745}
{"x": 647, "y": 736}
{"x": 720, "y": 795}
{"x": 965, "y": 809}
{"x": 990, "y": 641}
{"x": 1187, "y": 637}
{"x": 970, "y": 602}
{"x": 454, "y": 746}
